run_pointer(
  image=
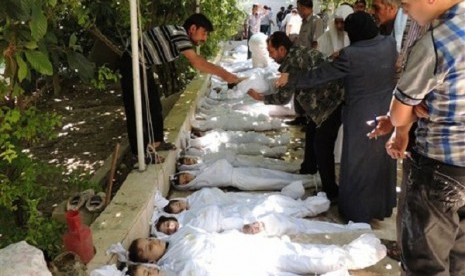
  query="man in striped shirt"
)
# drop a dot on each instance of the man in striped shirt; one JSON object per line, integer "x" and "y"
{"x": 161, "y": 45}
{"x": 433, "y": 220}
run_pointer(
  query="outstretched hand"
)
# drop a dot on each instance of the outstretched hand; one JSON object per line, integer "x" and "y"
{"x": 237, "y": 80}
{"x": 383, "y": 126}
{"x": 255, "y": 95}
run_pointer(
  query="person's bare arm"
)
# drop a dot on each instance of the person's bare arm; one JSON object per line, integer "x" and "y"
{"x": 402, "y": 117}
{"x": 401, "y": 114}
{"x": 398, "y": 142}
{"x": 201, "y": 64}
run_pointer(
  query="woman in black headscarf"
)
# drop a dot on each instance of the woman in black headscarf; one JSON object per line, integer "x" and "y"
{"x": 360, "y": 26}
{"x": 367, "y": 67}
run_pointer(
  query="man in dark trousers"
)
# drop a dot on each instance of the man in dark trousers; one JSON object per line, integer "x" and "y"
{"x": 322, "y": 104}
{"x": 280, "y": 17}
{"x": 160, "y": 45}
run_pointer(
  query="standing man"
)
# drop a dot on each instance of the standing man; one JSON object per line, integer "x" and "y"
{"x": 280, "y": 17}
{"x": 252, "y": 25}
{"x": 391, "y": 19}
{"x": 322, "y": 104}
{"x": 360, "y": 5}
{"x": 293, "y": 22}
{"x": 312, "y": 25}
{"x": 161, "y": 45}
{"x": 433, "y": 220}
{"x": 267, "y": 21}
{"x": 310, "y": 31}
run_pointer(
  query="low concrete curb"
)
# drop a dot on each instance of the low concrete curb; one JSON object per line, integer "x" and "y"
{"x": 128, "y": 215}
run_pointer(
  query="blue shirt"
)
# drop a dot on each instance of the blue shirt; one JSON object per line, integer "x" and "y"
{"x": 435, "y": 74}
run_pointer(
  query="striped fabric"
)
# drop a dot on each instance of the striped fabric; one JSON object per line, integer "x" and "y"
{"x": 435, "y": 74}
{"x": 164, "y": 44}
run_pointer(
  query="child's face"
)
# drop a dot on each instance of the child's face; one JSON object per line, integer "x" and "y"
{"x": 151, "y": 249}
{"x": 253, "y": 228}
{"x": 169, "y": 227}
{"x": 185, "y": 178}
{"x": 189, "y": 161}
{"x": 147, "y": 271}
{"x": 178, "y": 206}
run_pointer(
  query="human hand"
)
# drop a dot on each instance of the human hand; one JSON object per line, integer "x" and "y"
{"x": 334, "y": 55}
{"x": 383, "y": 126}
{"x": 231, "y": 85}
{"x": 255, "y": 95}
{"x": 283, "y": 80}
{"x": 421, "y": 110}
{"x": 232, "y": 79}
{"x": 253, "y": 228}
{"x": 397, "y": 145}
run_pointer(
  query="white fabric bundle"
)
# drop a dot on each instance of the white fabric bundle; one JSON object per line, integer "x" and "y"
{"x": 257, "y": 46}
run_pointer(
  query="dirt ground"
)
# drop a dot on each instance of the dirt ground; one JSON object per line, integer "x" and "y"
{"x": 93, "y": 122}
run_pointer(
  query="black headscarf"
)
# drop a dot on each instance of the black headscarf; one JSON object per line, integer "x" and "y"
{"x": 360, "y": 26}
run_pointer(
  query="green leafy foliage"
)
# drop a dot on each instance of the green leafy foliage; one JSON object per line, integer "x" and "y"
{"x": 105, "y": 75}
{"x": 48, "y": 41}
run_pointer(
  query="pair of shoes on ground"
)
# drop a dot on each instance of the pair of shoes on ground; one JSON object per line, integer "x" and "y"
{"x": 298, "y": 121}
{"x": 93, "y": 202}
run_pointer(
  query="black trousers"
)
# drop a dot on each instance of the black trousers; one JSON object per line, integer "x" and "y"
{"x": 299, "y": 110}
{"x": 154, "y": 104}
{"x": 319, "y": 151}
{"x": 249, "y": 35}
{"x": 433, "y": 218}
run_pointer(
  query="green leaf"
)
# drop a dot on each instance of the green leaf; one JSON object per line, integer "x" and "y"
{"x": 52, "y": 3}
{"x": 31, "y": 45}
{"x": 38, "y": 23}
{"x": 17, "y": 90}
{"x": 82, "y": 65}
{"x": 14, "y": 115}
{"x": 22, "y": 68}
{"x": 72, "y": 40}
{"x": 40, "y": 62}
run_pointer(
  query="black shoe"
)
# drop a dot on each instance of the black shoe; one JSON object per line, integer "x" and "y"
{"x": 298, "y": 121}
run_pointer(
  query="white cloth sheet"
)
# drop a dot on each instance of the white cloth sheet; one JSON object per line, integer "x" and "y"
{"x": 241, "y": 160}
{"x": 193, "y": 251}
{"x": 223, "y": 174}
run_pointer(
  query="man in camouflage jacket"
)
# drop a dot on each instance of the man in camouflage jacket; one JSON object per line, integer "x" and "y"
{"x": 322, "y": 105}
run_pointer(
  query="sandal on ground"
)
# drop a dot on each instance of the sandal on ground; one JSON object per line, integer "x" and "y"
{"x": 96, "y": 203}
{"x": 166, "y": 146}
{"x": 393, "y": 249}
{"x": 78, "y": 200}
